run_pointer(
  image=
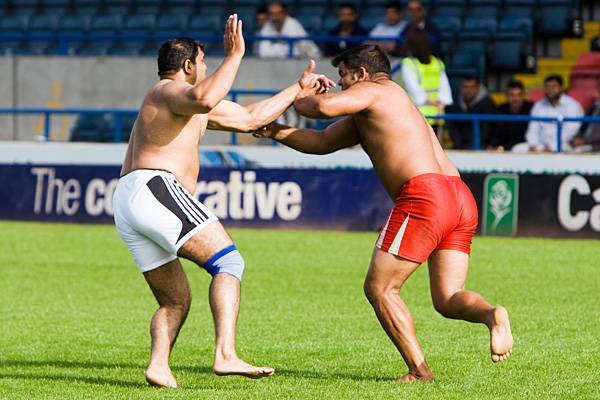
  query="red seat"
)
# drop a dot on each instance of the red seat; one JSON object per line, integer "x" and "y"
{"x": 588, "y": 60}
{"x": 536, "y": 94}
{"x": 584, "y": 77}
{"x": 584, "y": 96}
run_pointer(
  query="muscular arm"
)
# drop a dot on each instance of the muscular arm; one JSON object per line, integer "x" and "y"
{"x": 230, "y": 116}
{"x": 186, "y": 99}
{"x": 338, "y": 135}
{"x": 330, "y": 105}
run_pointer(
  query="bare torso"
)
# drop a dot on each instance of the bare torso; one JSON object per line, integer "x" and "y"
{"x": 399, "y": 141}
{"x": 163, "y": 140}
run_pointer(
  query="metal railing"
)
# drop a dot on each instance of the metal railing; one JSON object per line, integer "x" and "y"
{"x": 475, "y": 119}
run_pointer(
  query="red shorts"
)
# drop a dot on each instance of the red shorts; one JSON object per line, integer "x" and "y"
{"x": 432, "y": 212}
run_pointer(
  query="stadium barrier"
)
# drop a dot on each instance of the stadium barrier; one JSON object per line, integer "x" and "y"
{"x": 551, "y": 195}
{"x": 475, "y": 119}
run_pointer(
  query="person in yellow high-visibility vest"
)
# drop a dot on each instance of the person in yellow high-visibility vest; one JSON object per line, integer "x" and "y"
{"x": 424, "y": 76}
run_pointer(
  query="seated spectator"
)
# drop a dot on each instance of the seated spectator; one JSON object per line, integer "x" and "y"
{"x": 541, "y": 136}
{"x": 473, "y": 99}
{"x": 392, "y": 26}
{"x": 417, "y": 14}
{"x": 424, "y": 76}
{"x": 348, "y": 25}
{"x": 505, "y": 134}
{"x": 588, "y": 137}
{"x": 281, "y": 24}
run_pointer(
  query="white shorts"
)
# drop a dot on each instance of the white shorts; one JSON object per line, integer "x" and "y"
{"x": 155, "y": 216}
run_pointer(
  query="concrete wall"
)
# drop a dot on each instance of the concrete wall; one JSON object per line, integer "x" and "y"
{"x": 109, "y": 82}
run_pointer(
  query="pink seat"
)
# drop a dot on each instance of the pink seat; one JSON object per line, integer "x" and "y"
{"x": 588, "y": 60}
{"x": 536, "y": 94}
{"x": 584, "y": 77}
{"x": 584, "y": 96}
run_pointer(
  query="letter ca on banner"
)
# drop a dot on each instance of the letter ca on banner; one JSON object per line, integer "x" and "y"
{"x": 576, "y": 220}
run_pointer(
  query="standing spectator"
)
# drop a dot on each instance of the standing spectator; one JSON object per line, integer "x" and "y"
{"x": 424, "y": 76}
{"x": 505, "y": 134}
{"x": 588, "y": 137}
{"x": 541, "y": 136}
{"x": 473, "y": 99}
{"x": 418, "y": 18}
{"x": 281, "y": 24}
{"x": 392, "y": 26}
{"x": 348, "y": 25}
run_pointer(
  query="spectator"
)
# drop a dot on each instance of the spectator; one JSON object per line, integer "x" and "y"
{"x": 588, "y": 137}
{"x": 281, "y": 24}
{"x": 392, "y": 26}
{"x": 424, "y": 76}
{"x": 473, "y": 99}
{"x": 348, "y": 25}
{"x": 417, "y": 14}
{"x": 505, "y": 134}
{"x": 541, "y": 136}
{"x": 260, "y": 19}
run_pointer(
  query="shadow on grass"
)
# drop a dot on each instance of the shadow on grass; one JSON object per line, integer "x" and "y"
{"x": 202, "y": 369}
{"x": 73, "y": 379}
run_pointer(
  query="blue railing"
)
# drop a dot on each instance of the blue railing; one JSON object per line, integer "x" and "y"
{"x": 476, "y": 119}
{"x": 63, "y": 39}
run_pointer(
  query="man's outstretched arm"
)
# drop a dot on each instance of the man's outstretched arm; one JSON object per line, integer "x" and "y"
{"x": 339, "y": 135}
{"x": 330, "y": 105}
{"x": 231, "y": 116}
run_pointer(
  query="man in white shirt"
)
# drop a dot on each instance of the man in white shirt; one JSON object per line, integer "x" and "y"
{"x": 393, "y": 25}
{"x": 541, "y": 136}
{"x": 281, "y": 24}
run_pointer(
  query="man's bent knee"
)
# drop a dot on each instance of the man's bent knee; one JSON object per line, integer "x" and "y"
{"x": 376, "y": 292}
{"x": 228, "y": 261}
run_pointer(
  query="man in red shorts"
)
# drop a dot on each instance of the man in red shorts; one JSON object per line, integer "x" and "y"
{"x": 434, "y": 217}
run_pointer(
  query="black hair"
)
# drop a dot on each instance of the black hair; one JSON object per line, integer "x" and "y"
{"x": 348, "y": 5}
{"x": 280, "y": 4}
{"x": 515, "y": 84}
{"x": 173, "y": 53}
{"x": 369, "y": 56}
{"x": 394, "y": 4}
{"x": 554, "y": 77}
{"x": 472, "y": 77}
{"x": 262, "y": 9}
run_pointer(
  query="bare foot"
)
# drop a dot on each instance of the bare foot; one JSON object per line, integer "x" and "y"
{"x": 410, "y": 377}
{"x": 160, "y": 377}
{"x": 235, "y": 366}
{"x": 501, "y": 340}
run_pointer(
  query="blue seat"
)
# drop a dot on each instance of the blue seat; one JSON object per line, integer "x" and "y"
{"x": 519, "y": 11}
{"x": 444, "y": 3}
{"x": 311, "y": 10}
{"x": 94, "y": 48}
{"x": 43, "y": 24}
{"x": 508, "y": 53}
{"x": 555, "y": 21}
{"x": 138, "y": 24}
{"x": 180, "y": 9}
{"x": 38, "y": 48}
{"x": 206, "y": 24}
{"x": 511, "y": 3}
{"x": 511, "y": 23}
{"x": 452, "y": 11}
{"x": 463, "y": 59}
{"x": 89, "y": 128}
{"x": 106, "y": 24}
{"x": 24, "y": 10}
{"x": 74, "y": 24}
{"x": 118, "y": 7}
{"x": 56, "y": 7}
{"x": 484, "y": 11}
{"x": 86, "y": 7}
{"x": 151, "y": 48}
{"x": 447, "y": 23}
{"x": 475, "y": 23}
{"x": 329, "y": 22}
{"x": 369, "y": 21}
{"x": 126, "y": 48}
{"x": 8, "y": 47}
{"x": 311, "y": 23}
{"x": 14, "y": 24}
{"x": 171, "y": 25}
{"x": 147, "y": 7}
{"x": 215, "y": 10}
{"x": 474, "y": 41}
{"x": 336, "y": 3}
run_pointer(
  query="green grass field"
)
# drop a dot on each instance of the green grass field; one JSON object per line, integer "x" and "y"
{"x": 75, "y": 312}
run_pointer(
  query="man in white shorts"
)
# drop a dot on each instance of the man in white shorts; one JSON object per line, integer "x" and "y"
{"x": 156, "y": 215}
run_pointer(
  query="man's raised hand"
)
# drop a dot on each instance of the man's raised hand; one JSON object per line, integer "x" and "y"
{"x": 233, "y": 39}
{"x": 308, "y": 79}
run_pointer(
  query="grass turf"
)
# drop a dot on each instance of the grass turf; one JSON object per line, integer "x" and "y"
{"x": 74, "y": 316}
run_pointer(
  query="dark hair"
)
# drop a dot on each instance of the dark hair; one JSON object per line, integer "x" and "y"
{"x": 262, "y": 9}
{"x": 173, "y": 53}
{"x": 348, "y": 5}
{"x": 369, "y": 56}
{"x": 554, "y": 77}
{"x": 394, "y": 4}
{"x": 472, "y": 77}
{"x": 417, "y": 44}
{"x": 278, "y": 3}
{"x": 515, "y": 84}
